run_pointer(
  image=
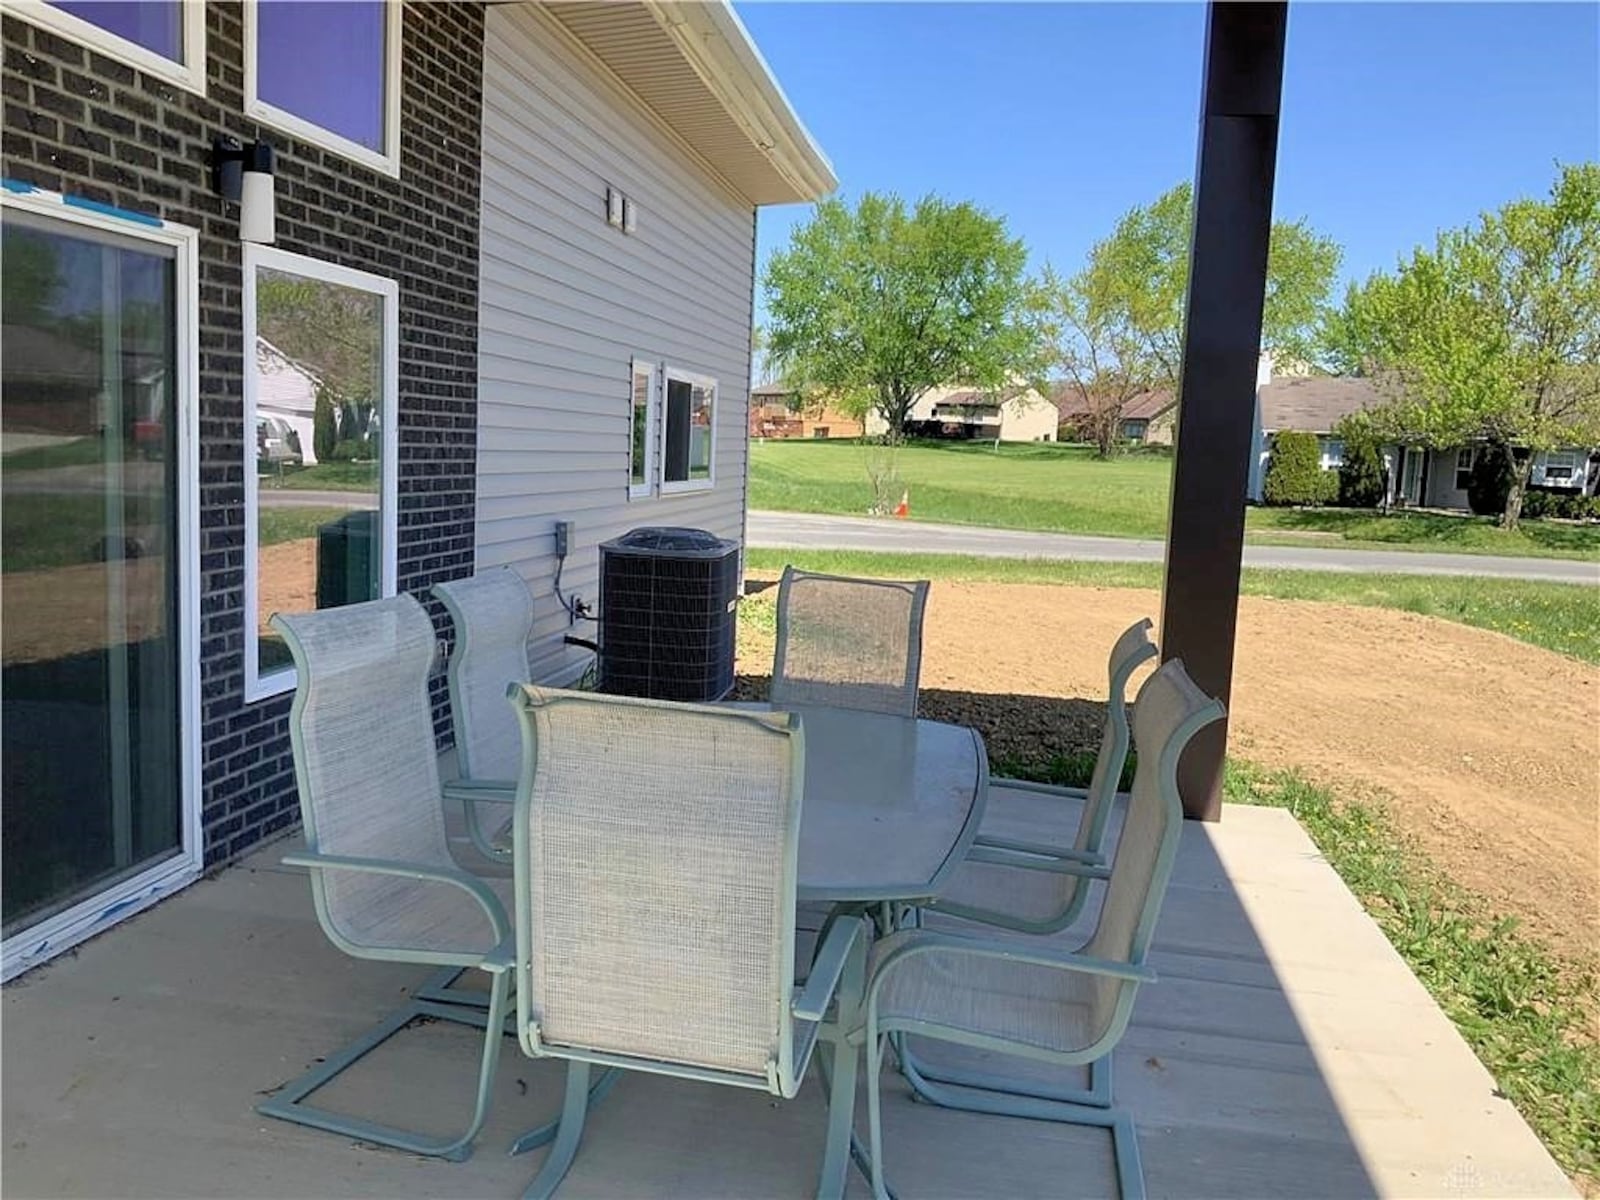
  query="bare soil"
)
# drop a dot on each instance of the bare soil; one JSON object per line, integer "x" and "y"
{"x": 1485, "y": 749}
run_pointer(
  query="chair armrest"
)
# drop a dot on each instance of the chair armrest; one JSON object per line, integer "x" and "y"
{"x": 1037, "y": 862}
{"x": 487, "y": 900}
{"x": 923, "y": 942}
{"x": 1040, "y": 848}
{"x": 494, "y": 791}
{"x": 827, "y": 969}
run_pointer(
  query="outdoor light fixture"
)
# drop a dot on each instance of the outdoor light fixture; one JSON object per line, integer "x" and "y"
{"x": 242, "y": 172}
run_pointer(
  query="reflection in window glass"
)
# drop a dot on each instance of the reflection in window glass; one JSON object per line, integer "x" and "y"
{"x": 157, "y": 25}
{"x": 323, "y": 61}
{"x": 639, "y": 470}
{"x": 689, "y": 411}
{"x": 318, "y": 449}
{"x": 89, "y": 765}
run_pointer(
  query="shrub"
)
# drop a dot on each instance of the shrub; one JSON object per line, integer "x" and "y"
{"x": 1361, "y": 474}
{"x": 1295, "y": 474}
{"x": 1490, "y": 481}
{"x": 1539, "y": 504}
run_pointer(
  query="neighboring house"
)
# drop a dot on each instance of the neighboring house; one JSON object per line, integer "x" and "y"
{"x": 1148, "y": 418}
{"x": 776, "y": 413}
{"x": 534, "y": 221}
{"x": 286, "y": 393}
{"x": 966, "y": 413}
{"x": 1419, "y": 477}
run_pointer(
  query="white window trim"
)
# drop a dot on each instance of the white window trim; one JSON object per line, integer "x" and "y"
{"x": 39, "y": 942}
{"x": 387, "y": 162}
{"x": 641, "y": 362}
{"x": 668, "y": 373}
{"x": 257, "y": 686}
{"x": 190, "y": 74}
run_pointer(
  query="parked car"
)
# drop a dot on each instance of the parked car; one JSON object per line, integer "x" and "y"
{"x": 277, "y": 445}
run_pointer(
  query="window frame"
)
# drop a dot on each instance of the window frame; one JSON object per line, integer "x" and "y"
{"x": 386, "y": 162}
{"x": 284, "y": 679}
{"x": 693, "y": 379}
{"x": 1463, "y": 474}
{"x": 37, "y": 943}
{"x": 642, "y": 364}
{"x": 189, "y": 74}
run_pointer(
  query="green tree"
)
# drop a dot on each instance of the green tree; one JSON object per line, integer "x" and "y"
{"x": 1140, "y": 275}
{"x": 1361, "y": 482}
{"x": 1095, "y": 347}
{"x": 324, "y": 426}
{"x": 1295, "y": 474}
{"x": 876, "y": 304}
{"x": 1493, "y": 333}
{"x": 336, "y": 331}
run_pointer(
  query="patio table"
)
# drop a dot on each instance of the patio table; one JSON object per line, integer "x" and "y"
{"x": 891, "y": 804}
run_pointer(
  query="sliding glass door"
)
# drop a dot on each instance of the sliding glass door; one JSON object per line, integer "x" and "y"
{"x": 92, "y": 752}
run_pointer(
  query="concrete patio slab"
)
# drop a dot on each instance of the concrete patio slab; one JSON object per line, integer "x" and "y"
{"x": 1287, "y": 1051}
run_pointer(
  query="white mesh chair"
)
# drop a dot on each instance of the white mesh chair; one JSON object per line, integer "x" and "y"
{"x": 655, "y": 849}
{"x": 848, "y": 643}
{"x": 1035, "y": 1001}
{"x": 1038, "y": 883}
{"x": 493, "y": 617}
{"x": 382, "y": 877}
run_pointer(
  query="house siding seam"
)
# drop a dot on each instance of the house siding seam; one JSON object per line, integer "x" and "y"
{"x": 567, "y": 301}
{"x": 78, "y": 122}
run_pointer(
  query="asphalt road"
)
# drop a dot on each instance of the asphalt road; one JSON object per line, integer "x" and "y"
{"x": 808, "y": 531}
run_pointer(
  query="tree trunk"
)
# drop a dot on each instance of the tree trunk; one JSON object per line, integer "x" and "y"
{"x": 1520, "y": 469}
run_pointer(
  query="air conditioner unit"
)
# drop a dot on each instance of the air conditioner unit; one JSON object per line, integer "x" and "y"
{"x": 668, "y": 614}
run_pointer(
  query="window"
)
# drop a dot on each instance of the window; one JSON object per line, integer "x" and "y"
{"x": 688, "y": 416}
{"x": 328, "y": 73}
{"x": 166, "y": 38}
{"x": 1559, "y": 467}
{"x": 320, "y": 397}
{"x": 1464, "y": 459}
{"x": 642, "y": 427}
{"x": 1134, "y": 429}
{"x": 1332, "y": 452}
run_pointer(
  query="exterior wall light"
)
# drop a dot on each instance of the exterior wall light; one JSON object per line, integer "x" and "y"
{"x": 242, "y": 172}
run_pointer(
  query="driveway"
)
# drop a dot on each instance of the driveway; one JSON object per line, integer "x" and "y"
{"x": 811, "y": 531}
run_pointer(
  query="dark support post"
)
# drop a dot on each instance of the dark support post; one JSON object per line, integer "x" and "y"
{"x": 1221, "y": 345}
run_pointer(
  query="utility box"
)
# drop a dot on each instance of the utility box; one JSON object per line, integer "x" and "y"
{"x": 347, "y": 560}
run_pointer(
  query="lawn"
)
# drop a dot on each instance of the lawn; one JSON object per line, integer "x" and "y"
{"x": 1558, "y": 616}
{"x": 327, "y": 477}
{"x": 1064, "y": 489}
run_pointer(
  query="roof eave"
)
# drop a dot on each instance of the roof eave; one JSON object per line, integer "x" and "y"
{"x": 717, "y": 46}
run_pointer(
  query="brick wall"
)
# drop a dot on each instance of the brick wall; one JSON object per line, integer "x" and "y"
{"x": 81, "y": 123}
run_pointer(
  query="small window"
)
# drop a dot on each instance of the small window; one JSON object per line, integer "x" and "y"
{"x": 1559, "y": 466}
{"x": 165, "y": 38}
{"x": 320, "y": 394}
{"x": 642, "y": 429}
{"x": 689, "y": 432}
{"x": 1464, "y": 460}
{"x": 1332, "y": 452}
{"x": 328, "y": 73}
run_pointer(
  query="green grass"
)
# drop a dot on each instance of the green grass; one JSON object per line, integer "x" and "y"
{"x": 1557, "y": 616}
{"x": 43, "y": 531}
{"x": 1529, "y": 1020}
{"x": 1064, "y": 489}
{"x": 73, "y": 453}
{"x": 326, "y": 477}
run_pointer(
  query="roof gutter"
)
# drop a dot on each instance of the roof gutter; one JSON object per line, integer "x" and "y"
{"x": 715, "y": 43}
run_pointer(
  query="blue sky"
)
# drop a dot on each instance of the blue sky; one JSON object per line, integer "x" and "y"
{"x": 1397, "y": 118}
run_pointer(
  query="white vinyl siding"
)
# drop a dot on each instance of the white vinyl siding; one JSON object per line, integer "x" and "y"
{"x": 568, "y": 304}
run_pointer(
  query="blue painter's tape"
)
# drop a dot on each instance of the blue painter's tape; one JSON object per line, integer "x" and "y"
{"x": 17, "y": 185}
{"x": 111, "y": 210}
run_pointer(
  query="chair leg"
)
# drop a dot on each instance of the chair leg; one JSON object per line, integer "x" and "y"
{"x": 919, "y": 1074}
{"x": 544, "y": 1134}
{"x": 287, "y": 1104}
{"x": 1124, "y": 1139}
{"x": 569, "y": 1132}
{"x": 874, "y": 1051}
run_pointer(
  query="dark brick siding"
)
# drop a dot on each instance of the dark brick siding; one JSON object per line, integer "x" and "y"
{"x": 81, "y": 123}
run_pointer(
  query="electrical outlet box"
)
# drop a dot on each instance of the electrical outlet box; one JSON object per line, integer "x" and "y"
{"x": 563, "y": 538}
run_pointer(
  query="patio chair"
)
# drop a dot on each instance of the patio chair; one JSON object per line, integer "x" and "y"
{"x": 1035, "y": 1001}
{"x": 493, "y": 617}
{"x": 382, "y": 876}
{"x": 1036, "y": 884}
{"x": 655, "y": 849}
{"x": 848, "y": 643}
